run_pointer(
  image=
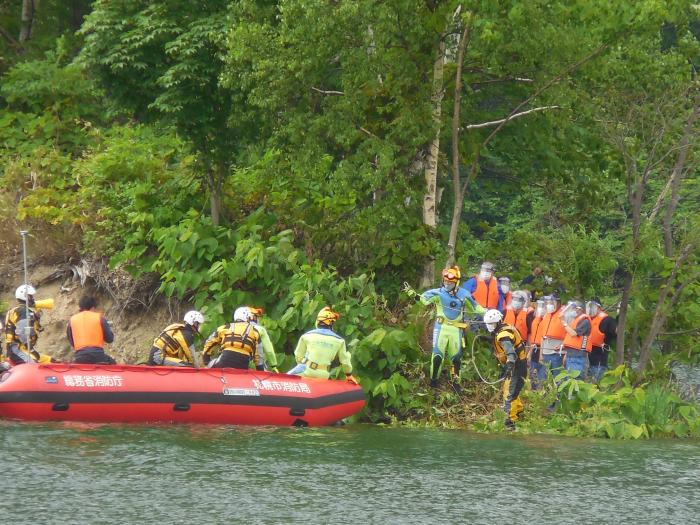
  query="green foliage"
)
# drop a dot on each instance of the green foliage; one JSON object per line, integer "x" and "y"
{"x": 619, "y": 410}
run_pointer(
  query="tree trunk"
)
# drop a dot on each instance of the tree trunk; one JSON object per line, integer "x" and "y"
{"x": 215, "y": 181}
{"x": 622, "y": 319}
{"x": 28, "y": 8}
{"x": 456, "y": 179}
{"x": 677, "y": 177}
{"x": 661, "y": 312}
{"x": 431, "y": 166}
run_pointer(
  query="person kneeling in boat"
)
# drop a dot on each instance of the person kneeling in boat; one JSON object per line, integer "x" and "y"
{"x": 175, "y": 344}
{"x": 20, "y": 345}
{"x": 317, "y": 349}
{"x": 87, "y": 332}
{"x": 238, "y": 342}
{"x": 265, "y": 358}
{"x": 510, "y": 351}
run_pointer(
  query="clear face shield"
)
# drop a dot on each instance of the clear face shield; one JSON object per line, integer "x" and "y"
{"x": 449, "y": 286}
{"x": 551, "y": 306}
{"x": 540, "y": 309}
{"x": 592, "y": 309}
{"x": 491, "y": 326}
{"x": 517, "y": 303}
{"x": 505, "y": 287}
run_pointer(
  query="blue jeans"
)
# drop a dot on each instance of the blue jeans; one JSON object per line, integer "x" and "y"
{"x": 553, "y": 362}
{"x": 595, "y": 372}
{"x": 537, "y": 374}
{"x": 577, "y": 360}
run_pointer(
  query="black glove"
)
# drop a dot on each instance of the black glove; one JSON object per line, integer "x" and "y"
{"x": 510, "y": 365}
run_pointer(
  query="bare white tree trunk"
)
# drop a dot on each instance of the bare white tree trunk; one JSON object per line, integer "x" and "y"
{"x": 431, "y": 163}
{"x": 28, "y": 10}
{"x": 456, "y": 179}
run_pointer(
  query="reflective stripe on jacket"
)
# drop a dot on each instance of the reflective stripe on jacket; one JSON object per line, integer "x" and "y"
{"x": 578, "y": 342}
{"x": 239, "y": 336}
{"x": 511, "y": 334}
{"x": 175, "y": 341}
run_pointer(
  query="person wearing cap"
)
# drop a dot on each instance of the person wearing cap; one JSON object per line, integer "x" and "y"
{"x": 23, "y": 318}
{"x": 603, "y": 333}
{"x": 238, "y": 342}
{"x": 266, "y": 358}
{"x": 484, "y": 288}
{"x": 576, "y": 344}
{"x": 87, "y": 333}
{"x": 318, "y": 348}
{"x": 174, "y": 346}
{"x": 452, "y": 307}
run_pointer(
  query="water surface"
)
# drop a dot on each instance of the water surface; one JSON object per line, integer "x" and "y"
{"x": 88, "y": 474}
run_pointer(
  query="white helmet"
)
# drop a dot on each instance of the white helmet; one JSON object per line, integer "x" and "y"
{"x": 193, "y": 316}
{"x": 242, "y": 313}
{"x": 23, "y": 291}
{"x": 492, "y": 318}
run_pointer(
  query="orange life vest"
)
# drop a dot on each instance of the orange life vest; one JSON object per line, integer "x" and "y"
{"x": 533, "y": 330}
{"x": 578, "y": 342}
{"x": 519, "y": 320}
{"x": 486, "y": 294}
{"x": 550, "y": 326}
{"x": 86, "y": 329}
{"x": 597, "y": 338}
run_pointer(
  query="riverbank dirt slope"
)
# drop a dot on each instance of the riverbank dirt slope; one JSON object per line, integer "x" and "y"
{"x": 134, "y": 327}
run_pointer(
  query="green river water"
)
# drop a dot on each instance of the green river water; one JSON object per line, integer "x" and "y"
{"x": 88, "y": 474}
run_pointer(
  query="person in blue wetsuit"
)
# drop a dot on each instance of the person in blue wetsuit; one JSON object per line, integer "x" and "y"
{"x": 452, "y": 305}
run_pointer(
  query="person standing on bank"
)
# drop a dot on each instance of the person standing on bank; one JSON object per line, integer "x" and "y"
{"x": 87, "y": 332}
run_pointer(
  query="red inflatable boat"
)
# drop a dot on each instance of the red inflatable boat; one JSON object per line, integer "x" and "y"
{"x": 144, "y": 394}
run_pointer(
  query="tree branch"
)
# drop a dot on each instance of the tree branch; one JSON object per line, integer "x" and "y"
{"x": 327, "y": 92}
{"x": 510, "y": 117}
{"x": 14, "y": 43}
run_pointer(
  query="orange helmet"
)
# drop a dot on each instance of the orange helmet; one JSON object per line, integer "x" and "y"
{"x": 327, "y": 316}
{"x": 452, "y": 275}
{"x": 255, "y": 312}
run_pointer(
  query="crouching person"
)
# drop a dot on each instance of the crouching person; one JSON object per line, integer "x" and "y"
{"x": 87, "y": 332}
{"x": 317, "y": 349}
{"x": 510, "y": 350}
{"x": 175, "y": 344}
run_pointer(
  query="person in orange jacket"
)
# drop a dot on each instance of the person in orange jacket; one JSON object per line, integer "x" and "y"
{"x": 484, "y": 288}
{"x": 88, "y": 331}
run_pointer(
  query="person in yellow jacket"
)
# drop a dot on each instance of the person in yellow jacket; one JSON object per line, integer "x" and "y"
{"x": 238, "y": 342}
{"x": 20, "y": 345}
{"x": 174, "y": 346}
{"x": 317, "y": 349}
{"x": 511, "y": 352}
{"x": 266, "y": 358}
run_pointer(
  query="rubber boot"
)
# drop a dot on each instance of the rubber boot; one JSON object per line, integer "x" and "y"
{"x": 435, "y": 364}
{"x": 456, "y": 365}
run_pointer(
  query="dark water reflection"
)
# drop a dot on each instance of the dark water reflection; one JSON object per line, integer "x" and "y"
{"x": 220, "y": 475}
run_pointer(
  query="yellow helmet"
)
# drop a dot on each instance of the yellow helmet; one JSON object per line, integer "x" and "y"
{"x": 327, "y": 316}
{"x": 452, "y": 275}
